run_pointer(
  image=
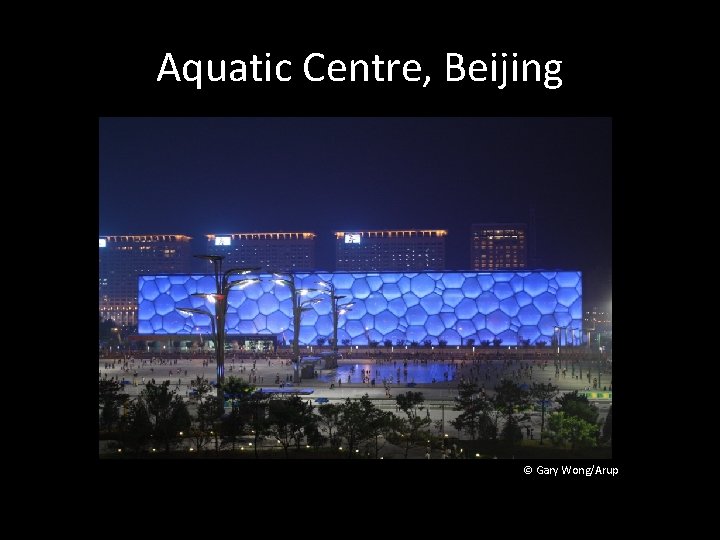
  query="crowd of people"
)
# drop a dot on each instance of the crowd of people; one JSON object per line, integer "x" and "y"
{"x": 387, "y": 368}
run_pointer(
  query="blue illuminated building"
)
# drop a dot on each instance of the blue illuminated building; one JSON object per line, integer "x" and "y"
{"x": 450, "y": 306}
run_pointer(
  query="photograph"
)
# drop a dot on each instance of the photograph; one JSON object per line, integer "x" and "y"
{"x": 355, "y": 287}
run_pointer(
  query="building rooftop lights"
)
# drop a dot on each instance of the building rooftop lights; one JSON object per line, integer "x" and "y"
{"x": 265, "y": 236}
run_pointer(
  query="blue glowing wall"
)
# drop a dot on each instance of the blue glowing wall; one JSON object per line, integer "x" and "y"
{"x": 410, "y": 306}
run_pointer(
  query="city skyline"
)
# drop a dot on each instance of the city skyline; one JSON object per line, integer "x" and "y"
{"x": 198, "y": 176}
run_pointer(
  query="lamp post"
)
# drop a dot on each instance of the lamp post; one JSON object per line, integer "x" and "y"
{"x": 299, "y": 306}
{"x": 200, "y": 335}
{"x": 566, "y": 336}
{"x": 205, "y": 312}
{"x": 219, "y": 298}
{"x": 118, "y": 335}
{"x": 337, "y": 310}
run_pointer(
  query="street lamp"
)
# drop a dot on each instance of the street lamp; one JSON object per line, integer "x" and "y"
{"x": 337, "y": 310}
{"x": 200, "y": 335}
{"x": 566, "y": 336}
{"x": 299, "y": 306}
{"x": 219, "y": 298}
{"x": 205, "y": 312}
{"x": 118, "y": 336}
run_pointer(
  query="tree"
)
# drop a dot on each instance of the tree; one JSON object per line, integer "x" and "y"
{"x": 309, "y": 424}
{"x": 109, "y": 416}
{"x": 202, "y": 387}
{"x": 208, "y": 412}
{"x": 329, "y": 420}
{"x": 360, "y": 420}
{"x": 511, "y": 431}
{"x": 494, "y": 415}
{"x": 475, "y": 417}
{"x": 313, "y": 436}
{"x": 427, "y": 343}
{"x": 232, "y": 427}
{"x": 414, "y": 343}
{"x": 237, "y": 390}
{"x": 373, "y": 343}
{"x": 254, "y": 408}
{"x": 511, "y": 398}
{"x": 470, "y": 342}
{"x": 442, "y": 343}
{"x": 411, "y": 429}
{"x": 136, "y": 427}
{"x": 346, "y": 342}
{"x": 497, "y": 342}
{"x": 543, "y": 393}
{"x": 169, "y": 412}
{"x": 321, "y": 341}
{"x": 372, "y": 423}
{"x": 180, "y": 420}
{"x": 578, "y": 406}
{"x": 287, "y": 419}
{"x": 400, "y": 342}
{"x": 540, "y": 344}
{"x": 388, "y": 343}
{"x": 110, "y": 399}
{"x": 564, "y": 429}
{"x": 380, "y": 424}
{"x": 158, "y": 398}
{"x": 485, "y": 343}
{"x": 353, "y": 424}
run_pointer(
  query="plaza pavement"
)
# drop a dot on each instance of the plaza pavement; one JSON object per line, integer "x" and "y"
{"x": 438, "y": 396}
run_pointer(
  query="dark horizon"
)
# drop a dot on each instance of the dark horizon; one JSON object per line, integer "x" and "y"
{"x": 200, "y": 176}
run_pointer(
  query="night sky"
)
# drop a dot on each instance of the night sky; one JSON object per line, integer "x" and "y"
{"x": 213, "y": 175}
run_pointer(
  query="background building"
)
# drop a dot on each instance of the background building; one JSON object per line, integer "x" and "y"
{"x": 124, "y": 258}
{"x": 498, "y": 246}
{"x": 597, "y": 324}
{"x": 598, "y": 319}
{"x": 281, "y": 251}
{"x": 404, "y": 250}
{"x": 434, "y": 306}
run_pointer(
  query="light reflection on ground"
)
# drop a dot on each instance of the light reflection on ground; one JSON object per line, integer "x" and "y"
{"x": 417, "y": 373}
